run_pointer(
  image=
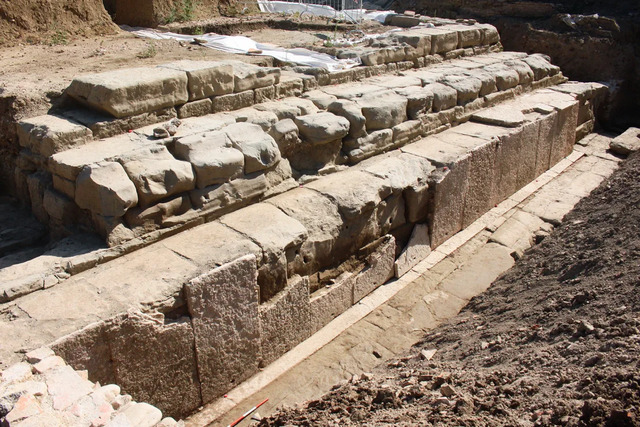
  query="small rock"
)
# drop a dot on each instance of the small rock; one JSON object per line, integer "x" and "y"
{"x": 175, "y": 122}
{"x": 447, "y": 390}
{"x": 160, "y": 133}
{"x": 121, "y": 401}
{"x": 585, "y": 328}
{"x": 16, "y": 373}
{"x": 48, "y": 363}
{"x": 171, "y": 129}
{"x": 428, "y": 354}
{"x": 26, "y": 406}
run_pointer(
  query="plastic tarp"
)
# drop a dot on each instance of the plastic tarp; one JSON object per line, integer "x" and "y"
{"x": 241, "y": 44}
{"x": 274, "y": 6}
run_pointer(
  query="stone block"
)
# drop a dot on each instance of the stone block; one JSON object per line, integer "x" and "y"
{"x": 352, "y": 112}
{"x": 441, "y": 40}
{"x": 156, "y": 362}
{"x": 417, "y": 249}
{"x": 60, "y": 207}
{"x": 104, "y": 125}
{"x": 467, "y": 87}
{"x": 383, "y": 110}
{"x": 540, "y": 66}
{"x": 141, "y": 414}
{"x": 406, "y": 132}
{"x": 265, "y": 119}
{"x": 264, "y": 94}
{"x": 286, "y": 134}
{"x": 501, "y": 115}
{"x": 105, "y": 189}
{"x": 258, "y": 147}
{"x": 66, "y": 387}
{"x": 490, "y": 34}
{"x": 281, "y": 109}
{"x": 366, "y": 146}
{"x": 289, "y": 86}
{"x": 444, "y": 97}
{"x": 379, "y": 268}
{"x": 525, "y": 74}
{"x": 131, "y": 91}
{"x": 331, "y": 300}
{"x": 223, "y": 305}
{"x": 233, "y": 101}
{"x": 321, "y": 218}
{"x": 38, "y": 183}
{"x": 205, "y": 78}
{"x": 402, "y": 21}
{"x": 419, "y": 100}
{"x": 212, "y": 156}
{"x": 197, "y": 108}
{"x": 230, "y": 195}
{"x": 35, "y": 356}
{"x": 319, "y": 98}
{"x": 321, "y": 128}
{"x": 416, "y": 39}
{"x": 285, "y": 320}
{"x": 506, "y": 78}
{"x": 468, "y": 36}
{"x": 49, "y": 134}
{"x": 396, "y": 82}
{"x": 158, "y": 214}
{"x": 157, "y": 174}
{"x": 626, "y": 143}
{"x": 249, "y": 76}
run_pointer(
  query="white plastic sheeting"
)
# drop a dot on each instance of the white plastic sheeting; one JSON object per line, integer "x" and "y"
{"x": 241, "y": 44}
{"x": 274, "y": 6}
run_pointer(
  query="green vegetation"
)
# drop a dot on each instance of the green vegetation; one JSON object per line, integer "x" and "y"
{"x": 60, "y": 37}
{"x": 149, "y": 52}
{"x": 182, "y": 12}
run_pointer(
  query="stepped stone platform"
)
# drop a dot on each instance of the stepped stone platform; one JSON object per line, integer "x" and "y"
{"x": 267, "y": 201}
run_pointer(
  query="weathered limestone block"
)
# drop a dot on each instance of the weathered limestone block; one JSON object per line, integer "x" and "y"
{"x": 259, "y": 149}
{"x": 205, "y": 78}
{"x": 281, "y": 109}
{"x": 66, "y": 387}
{"x": 249, "y": 76}
{"x": 467, "y": 87}
{"x": 321, "y": 128}
{"x": 540, "y": 66}
{"x": 319, "y": 98}
{"x": 490, "y": 34}
{"x": 448, "y": 185}
{"x": 468, "y": 35}
{"x": 195, "y": 125}
{"x": 378, "y": 270}
{"x": 506, "y": 77}
{"x": 159, "y": 213}
{"x": 212, "y": 156}
{"x": 279, "y": 237}
{"x": 444, "y": 97}
{"x": 60, "y": 207}
{"x": 264, "y": 94}
{"x": 332, "y": 300}
{"x": 487, "y": 80}
{"x": 626, "y": 143}
{"x": 156, "y": 362}
{"x": 290, "y": 85}
{"x": 525, "y": 74}
{"x": 265, "y": 119}
{"x": 112, "y": 229}
{"x": 131, "y": 91}
{"x": 405, "y": 21}
{"x": 352, "y": 112}
{"x": 321, "y": 218}
{"x": 233, "y": 194}
{"x": 406, "y": 132}
{"x": 37, "y": 184}
{"x": 197, "y": 108}
{"x": 286, "y": 134}
{"x": 352, "y": 90}
{"x": 416, "y": 39}
{"x": 223, "y": 305}
{"x": 396, "y": 82}
{"x": 366, "y": 146}
{"x": 383, "y": 110}
{"x": 384, "y": 55}
{"x": 417, "y": 249}
{"x": 501, "y": 115}
{"x": 441, "y": 40}
{"x": 419, "y": 100}
{"x": 49, "y": 134}
{"x": 285, "y": 320}
{"x": 400, "y": 170}
{"x": 157, "y": 174}
{"x": 105, "y": 189}
{"x": 305, "y": 106}
{"x": 233, "y": 101}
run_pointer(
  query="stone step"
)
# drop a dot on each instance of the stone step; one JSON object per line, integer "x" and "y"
{"x": 297, "y": 259}
{"x": 239, "y": 157}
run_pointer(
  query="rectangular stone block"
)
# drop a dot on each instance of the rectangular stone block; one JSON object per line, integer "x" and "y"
{"x": 156, "y": 362}
{"x": 441, "y": 40}
{"x": 131, "y": 91}
{"x": 289, "y": 86}
{"x": 285, "y": 320}
{"x": 49, "y": 134}
{"x": 250, "y": 76}
{"x": 205, "y": 78}
{"x": 223, "y": 305}
{"x": 417, "y": 249}
{"x": 332, "y": 300}
{"x": 233, "y": 101}
{"x": 264, "y": 94}
{"x": 64, "y": 186}
{"x": 104, "y": 126}
{"x": 378, "y": 270}
{"x": 197, "y": 108}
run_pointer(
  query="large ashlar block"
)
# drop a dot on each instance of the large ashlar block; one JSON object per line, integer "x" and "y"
{"x": 379, "y": 267}
{"x": 205, "y": 78}
{"x": 156, "y": 362}
{"x": 250, "y": 76}
{"x": 131, "y": 91}
{"x": 223, "y": 305}
{"x": 212, "y": 156}
{"x": 441, "y": 40}
{"x": 320, "y": 216}
{"x": 332, "y": 300}
{"x": 259, "y": 148}
{"x": 383, "y": 110}
{"x": 416, "y": 39}
{"x": 105, "y": 189}
{"x": 285, "y": 320}
{"x": 448, "y": 185}
{"x": 321, "y": 128}
{"x": 233, "y": 101}
{"x": 157, "y": 174}
{"x": 47, "y": 135}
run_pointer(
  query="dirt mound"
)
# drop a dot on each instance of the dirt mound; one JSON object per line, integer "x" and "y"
{"x": 52, "y": 21}
{"x": 555, "y": 341}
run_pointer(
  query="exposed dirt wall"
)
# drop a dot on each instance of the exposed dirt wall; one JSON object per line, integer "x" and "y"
{"x": 52, "y": 20}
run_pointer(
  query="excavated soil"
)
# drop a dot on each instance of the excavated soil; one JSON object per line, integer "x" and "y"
{"x": 554, "y": 341}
